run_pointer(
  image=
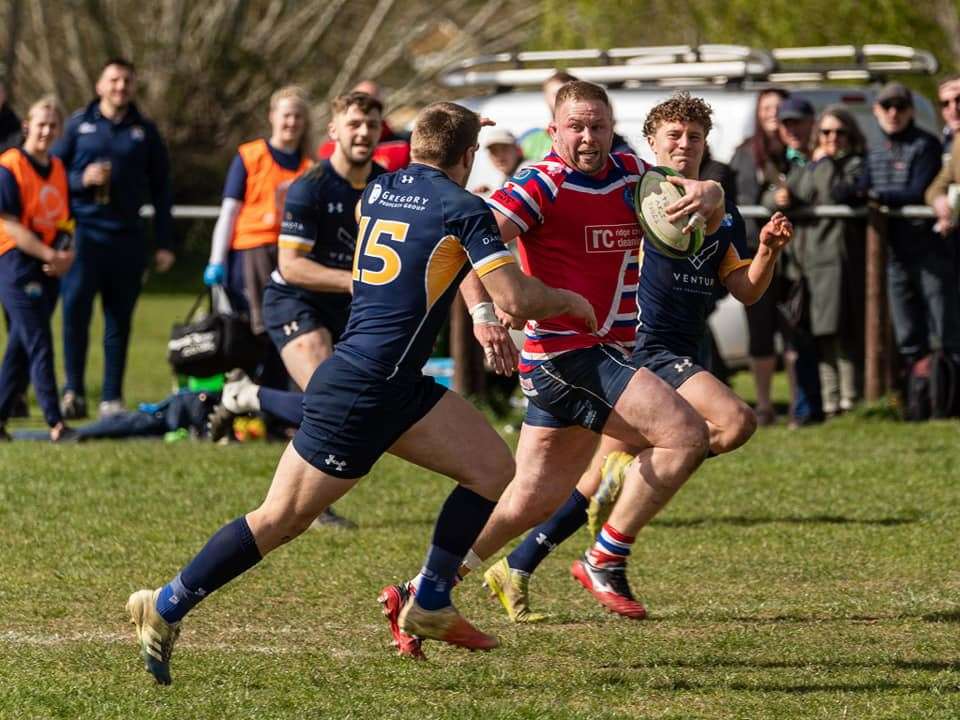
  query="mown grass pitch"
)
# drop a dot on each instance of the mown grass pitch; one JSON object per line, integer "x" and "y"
{"x": 812, "y": 574}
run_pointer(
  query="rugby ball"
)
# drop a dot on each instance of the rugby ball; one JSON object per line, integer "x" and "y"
{"x": 653, "y": 195}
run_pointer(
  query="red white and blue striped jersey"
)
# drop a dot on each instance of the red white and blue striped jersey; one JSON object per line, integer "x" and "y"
{"x": 578, "y": 232}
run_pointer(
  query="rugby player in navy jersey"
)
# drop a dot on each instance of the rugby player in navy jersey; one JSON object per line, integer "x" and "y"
{"x": 419, "y": 234}
{"x": 673, "y": 297}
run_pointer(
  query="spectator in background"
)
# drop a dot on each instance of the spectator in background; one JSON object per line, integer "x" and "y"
{"x": 758, "y": 164}
{"x": 116, "y": 161}
{"x": 11, "y": 134}
{"x": 830, "y": 254}
{"x": 243, "y": 250}
{"x": 796, "y": 118}
{"x": 921, "y": 274}
{"x": 505, "y": 156}
{"x": 535, "y": 143}
{"x": 948, "y": 94}
{"x": 393, "y": 150}
{"x": 34, "y": 209}
{"x": 10, "y": 125}
{"x": 943, "y": 194}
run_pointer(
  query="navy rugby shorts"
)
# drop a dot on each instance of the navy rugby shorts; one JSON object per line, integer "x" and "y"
{"x": 671, "y": 367}
{"x": 579, "y": 387}
{"x": 351, "y": 418}
{"x": 289, "y": 312}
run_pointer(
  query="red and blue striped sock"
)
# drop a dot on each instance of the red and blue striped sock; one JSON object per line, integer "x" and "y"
{"x": 612, "y": 547}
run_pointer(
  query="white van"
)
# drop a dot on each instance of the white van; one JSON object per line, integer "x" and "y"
{"x": 729, "y": 78}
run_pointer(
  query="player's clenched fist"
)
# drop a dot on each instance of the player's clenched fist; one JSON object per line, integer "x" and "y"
{"x": 578, "y": 307}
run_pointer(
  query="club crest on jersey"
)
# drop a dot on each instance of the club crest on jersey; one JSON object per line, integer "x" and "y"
{"x": 375, "y": 193}
{"x": 701, "y": 258}
{"x": 521, "y": 174}
{"x": 727, "y": 221}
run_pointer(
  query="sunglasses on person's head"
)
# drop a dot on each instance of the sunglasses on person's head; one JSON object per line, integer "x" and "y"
{"x": 955, "y": 100}
{"x": 838, "y": 132}
{"x": 898, "y": 105}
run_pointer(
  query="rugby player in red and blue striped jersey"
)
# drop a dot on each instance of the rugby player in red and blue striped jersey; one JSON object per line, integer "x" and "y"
{"x": 574, "y": 216}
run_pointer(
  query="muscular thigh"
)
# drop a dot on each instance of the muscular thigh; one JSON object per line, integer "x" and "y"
{"x": 650, "y": 412}
{"x": 455, "y": 439}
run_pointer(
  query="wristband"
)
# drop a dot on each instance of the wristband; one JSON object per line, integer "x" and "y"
{"x": 484, "y": 314}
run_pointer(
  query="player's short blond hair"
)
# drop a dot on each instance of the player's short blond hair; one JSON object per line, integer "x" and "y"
{"x": 442, "y": 133}
{"x": 47, "y": 102}
{"x": 581, "y": 91}
{"x": 682, "y": 107}
{"x": 301, "y": 98}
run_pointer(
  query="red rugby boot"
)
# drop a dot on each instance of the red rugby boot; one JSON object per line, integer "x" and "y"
{"x": 609, "y": 586}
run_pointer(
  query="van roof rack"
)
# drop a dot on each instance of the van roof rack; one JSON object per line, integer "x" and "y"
{"x": 689, "y": 65}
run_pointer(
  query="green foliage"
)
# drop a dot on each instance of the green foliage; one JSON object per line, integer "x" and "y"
{"x": 772, "y": 23}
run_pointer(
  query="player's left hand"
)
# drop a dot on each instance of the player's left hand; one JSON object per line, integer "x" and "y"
{"x": 777, "y": 232}
{"x": 700, "y": 197}
{"x": 499, "y": 351}
{"x": 163, "y": 260}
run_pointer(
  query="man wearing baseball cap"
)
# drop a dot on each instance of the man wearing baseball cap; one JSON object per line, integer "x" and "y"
{"x": 921, "y": 275}
{"x": 796, "y": 116}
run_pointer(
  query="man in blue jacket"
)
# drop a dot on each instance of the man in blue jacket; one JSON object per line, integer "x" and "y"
{"x": 116, "y": 162}
{"x": 921, "y": 279}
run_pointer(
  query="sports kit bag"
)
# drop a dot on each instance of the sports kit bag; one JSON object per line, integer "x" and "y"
{"x": 217, "y": 342}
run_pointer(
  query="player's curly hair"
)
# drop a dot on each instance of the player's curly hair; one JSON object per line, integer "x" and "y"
{"x": 682, "y": 107}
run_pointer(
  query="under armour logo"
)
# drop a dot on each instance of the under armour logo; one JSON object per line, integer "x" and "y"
{"x": 333, "y": 207}
{"x": 684, "y": 364}
{"x": 406, "y": 179}
{"x": 543, "y": 540}
{"x": 338, "y": 464}
{"x": 290, "y": 328}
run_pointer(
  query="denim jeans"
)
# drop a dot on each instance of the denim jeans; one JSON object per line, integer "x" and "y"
{"x": 924, "y": 304}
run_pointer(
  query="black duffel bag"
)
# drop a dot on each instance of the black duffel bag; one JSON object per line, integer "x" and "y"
{"x": 216, "y": 343}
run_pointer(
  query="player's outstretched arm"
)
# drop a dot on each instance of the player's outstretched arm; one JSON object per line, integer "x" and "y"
{"x": 527, "y": 297}
{"x": 297, "y": 269}
{"x": 748, "y": 284}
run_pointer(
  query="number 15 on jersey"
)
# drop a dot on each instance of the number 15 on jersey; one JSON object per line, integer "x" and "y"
{"x": 370, "y": 244}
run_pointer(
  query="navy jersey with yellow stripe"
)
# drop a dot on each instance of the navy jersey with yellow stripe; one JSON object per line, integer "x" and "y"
{"x": 419, "y": 233}
{"x": 673, "y": 295}
{"x": 319, "y": 215}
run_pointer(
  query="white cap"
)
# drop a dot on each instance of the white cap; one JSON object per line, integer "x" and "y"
{"x": 498, "y": 136}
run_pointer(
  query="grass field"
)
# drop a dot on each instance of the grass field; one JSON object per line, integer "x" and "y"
{"x": 813, "y": 574}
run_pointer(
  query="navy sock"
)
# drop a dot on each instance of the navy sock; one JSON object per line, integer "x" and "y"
{"x": 539, "y": 542}
{"x": 460, "y": 521}
{"x": 282, "y": 404}
{"x": 230, "y": 552}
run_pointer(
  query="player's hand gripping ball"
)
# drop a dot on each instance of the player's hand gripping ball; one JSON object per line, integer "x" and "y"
{"x": 653, "y": 195}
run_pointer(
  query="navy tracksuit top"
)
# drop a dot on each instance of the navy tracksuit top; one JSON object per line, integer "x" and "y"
{"x": 140, "y": 174}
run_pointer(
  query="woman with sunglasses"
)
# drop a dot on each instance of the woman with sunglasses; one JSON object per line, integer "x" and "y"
{"x": 830, "y": 254}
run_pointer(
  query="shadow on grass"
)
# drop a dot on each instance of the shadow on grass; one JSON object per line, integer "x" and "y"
{"x": 615, "y": 675}
{"x": 708, "y": 663}
{"x": 944, "y": 616}
{"x": 751, "y": 521}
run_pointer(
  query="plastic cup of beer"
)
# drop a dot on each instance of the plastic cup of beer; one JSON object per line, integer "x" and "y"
{"x": 102, "y": 193}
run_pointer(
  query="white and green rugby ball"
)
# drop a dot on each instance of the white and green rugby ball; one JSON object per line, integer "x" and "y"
{"x": 653, "y": 195}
